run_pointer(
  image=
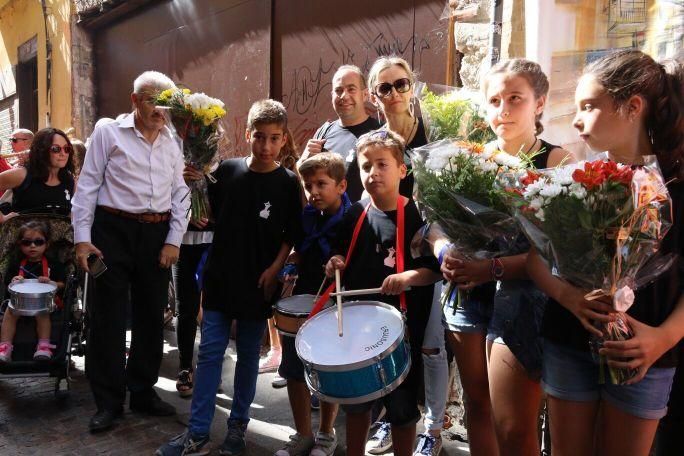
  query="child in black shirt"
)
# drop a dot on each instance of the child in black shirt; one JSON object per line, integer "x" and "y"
{"x": 258, "y": 206}
{"x": 325, "y": 185}
{"x": 32, "y": 243}
{"x": 374, "y": 263}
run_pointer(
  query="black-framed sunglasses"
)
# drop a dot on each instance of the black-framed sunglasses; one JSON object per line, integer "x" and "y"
{"x": 39, "y": 242}
{"x": 16, "y": 140}
{"x": 384, "y": 90}
{"x": 55, "y": 149}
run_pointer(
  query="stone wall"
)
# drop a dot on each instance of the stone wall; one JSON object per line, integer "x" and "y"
{"x": 83, "y": 82}
{"x": 471, "y": 34}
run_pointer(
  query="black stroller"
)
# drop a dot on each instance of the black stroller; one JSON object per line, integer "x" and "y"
{"x": 67, "y": 332}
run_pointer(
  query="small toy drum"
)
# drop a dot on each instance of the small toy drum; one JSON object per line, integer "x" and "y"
{"x": 31, "y": 297}
{"x": 291, "y": 313}
{"x": 369, "y": 361}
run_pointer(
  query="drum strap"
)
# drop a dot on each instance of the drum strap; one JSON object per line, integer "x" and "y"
{"x": 44, "y": 262}
{"x": 399, "y": 239}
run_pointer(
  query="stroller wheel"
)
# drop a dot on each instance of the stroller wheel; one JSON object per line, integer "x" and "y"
{"x": 62, "y": 387}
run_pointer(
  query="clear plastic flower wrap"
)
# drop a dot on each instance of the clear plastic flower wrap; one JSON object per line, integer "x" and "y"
{"x": 452, "y": 113}
{"x": 598, "y": 225}
{"x": 456, "y": 188}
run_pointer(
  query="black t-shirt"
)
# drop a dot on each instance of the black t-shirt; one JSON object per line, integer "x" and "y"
{"x": 342, "y": 140}
{"x": 34, "y": 195}
{"x": 374, "y": 258}
{"x": 419, "y": 140}
{"x": 255, "y": 213}
{"x": 652, "y": 304}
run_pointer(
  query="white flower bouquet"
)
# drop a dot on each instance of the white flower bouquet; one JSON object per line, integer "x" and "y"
{"x": 195, "y": 117}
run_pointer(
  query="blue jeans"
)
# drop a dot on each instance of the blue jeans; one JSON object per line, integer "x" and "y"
{"x": 213, "y": 344}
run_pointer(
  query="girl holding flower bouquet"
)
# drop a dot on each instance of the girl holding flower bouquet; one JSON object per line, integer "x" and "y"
{"x": 494, "y": 330}
{"x": 631, "y": 106}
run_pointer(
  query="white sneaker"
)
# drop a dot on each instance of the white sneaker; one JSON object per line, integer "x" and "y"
{"x": 381, "y": 440}
{"x": 297, "y": 446}
{"x": 325, "y": 444}
{"x": 428, "y": 445}
{"x": 278, "y": 382}
{"x": 270, "y": 362}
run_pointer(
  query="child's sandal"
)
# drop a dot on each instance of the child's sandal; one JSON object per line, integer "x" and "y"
{"x": 184, "y": 383}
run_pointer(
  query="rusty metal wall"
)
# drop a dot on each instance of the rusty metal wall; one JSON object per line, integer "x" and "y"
{"x": 237, "y": 50}
{"x": 312, "y": 38}
{"x": 220, "y": 47}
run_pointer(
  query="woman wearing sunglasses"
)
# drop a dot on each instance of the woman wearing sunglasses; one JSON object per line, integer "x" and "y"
{"x": 47, "y": 180}
{"x": 391, "y": 82}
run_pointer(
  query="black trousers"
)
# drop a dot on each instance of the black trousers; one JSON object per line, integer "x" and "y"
{"x": 188, "y": 301}
{"x": 131, "y": 252}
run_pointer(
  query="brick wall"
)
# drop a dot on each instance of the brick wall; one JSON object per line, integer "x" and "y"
{"x": 9, "y": 120}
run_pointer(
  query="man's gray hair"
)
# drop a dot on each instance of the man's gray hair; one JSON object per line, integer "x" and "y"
{"x": 23, "y": 131}
{"x": 152, "y": 80}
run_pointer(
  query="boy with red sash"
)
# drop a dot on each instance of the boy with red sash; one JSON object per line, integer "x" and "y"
{"x": 373, "y": 250}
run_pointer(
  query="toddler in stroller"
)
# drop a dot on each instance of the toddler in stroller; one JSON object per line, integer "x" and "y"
{"x": 45, "y": 289}
{"x": 36, "y": 252}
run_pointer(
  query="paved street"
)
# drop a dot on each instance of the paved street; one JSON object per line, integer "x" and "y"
{"x": 33, "y": 421}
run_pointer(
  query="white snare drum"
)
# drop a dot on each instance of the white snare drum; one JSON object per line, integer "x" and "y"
{"x": 291, "y": 313}
{"x": 31, "y": 297}
{"x": 369, "y": 361}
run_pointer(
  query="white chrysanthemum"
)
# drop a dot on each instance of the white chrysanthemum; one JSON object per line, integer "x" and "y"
{"x": 504, "y": 159}
{"x": 201, "y": 101}
{"x": 537, "y": 203}
{"x": 562, "y": 175}
{"x": 489, "y": 166}
{"x": 438, "y": 158}
{"x": 551, "y": 190}
{"x": 577, "y": 190}
{"x": 533, "y": 189}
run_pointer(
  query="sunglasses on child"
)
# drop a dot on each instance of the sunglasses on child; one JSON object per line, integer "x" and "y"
{"x": 55, "y": 149}
{"x": 37, "y": 242}
{"x": 384, "y": 89}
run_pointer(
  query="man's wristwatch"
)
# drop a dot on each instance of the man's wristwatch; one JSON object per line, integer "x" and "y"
{"x": 497, "y": 269}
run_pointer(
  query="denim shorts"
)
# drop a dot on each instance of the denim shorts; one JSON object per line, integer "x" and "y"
{"x": 573, "y": 375}
{"x": 291, "y": 367}
{"x": 467, "y": 316}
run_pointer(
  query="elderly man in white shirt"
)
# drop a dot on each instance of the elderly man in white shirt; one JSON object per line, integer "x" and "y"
{"x": 130, "y": 211}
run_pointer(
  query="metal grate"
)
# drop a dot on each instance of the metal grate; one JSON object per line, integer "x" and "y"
{"x": 626, "y": 16}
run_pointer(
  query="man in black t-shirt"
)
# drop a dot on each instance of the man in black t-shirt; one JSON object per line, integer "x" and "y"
{"x": 349, "y": 94}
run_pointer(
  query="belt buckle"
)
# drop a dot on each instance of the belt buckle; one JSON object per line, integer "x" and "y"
{"x": 141, "y": 218}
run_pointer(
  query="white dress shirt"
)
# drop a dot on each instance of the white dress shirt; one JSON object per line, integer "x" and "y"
{"x": 124, "y": 171}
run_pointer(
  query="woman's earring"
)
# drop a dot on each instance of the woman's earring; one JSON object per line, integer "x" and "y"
{"x": 412, "y": 107}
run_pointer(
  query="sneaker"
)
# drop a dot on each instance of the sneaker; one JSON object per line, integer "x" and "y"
{"x": 428, "y": 445}
{"x": 6, "y": 352}
{"x": 297, "y": 446}
{"x": 381, "y": 440}
{"x": 184, "y": 445}
{"x": 279, "y": 382}
{"x": 43, "y": 351}
{"x": 234, "y": 442}
{"x": 270, "y": 362}
{"x": 315, "y": 402}
{"x": 325, "y": 444}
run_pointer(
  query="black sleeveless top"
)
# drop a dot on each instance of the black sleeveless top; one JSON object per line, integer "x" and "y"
{"x": 33, "y": 195}
{"x": 541, "y": 159}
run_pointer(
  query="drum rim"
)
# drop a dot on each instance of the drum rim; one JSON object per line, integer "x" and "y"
{"x": 287, "y": 313}
{"x": 32, "y": 313}
{"x": 359, "y": 364}
{"x": 368, "y": 397}
{"x": 35, "y": 295}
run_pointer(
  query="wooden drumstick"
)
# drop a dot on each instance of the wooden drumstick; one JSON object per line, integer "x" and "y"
{"x": 338, "y": 286}
{"x": 364, "y": 291}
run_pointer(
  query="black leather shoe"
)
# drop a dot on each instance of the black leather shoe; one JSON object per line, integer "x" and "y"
{"x": 103, "y": 420}
{"x": 152, "y": 406}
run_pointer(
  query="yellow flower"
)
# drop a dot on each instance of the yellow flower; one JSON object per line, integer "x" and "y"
{"x": 187, "y": 91}
{"x": 165, "y": 95}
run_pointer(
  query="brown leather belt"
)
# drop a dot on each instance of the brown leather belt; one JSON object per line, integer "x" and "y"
{"x": 145, "y": 217}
